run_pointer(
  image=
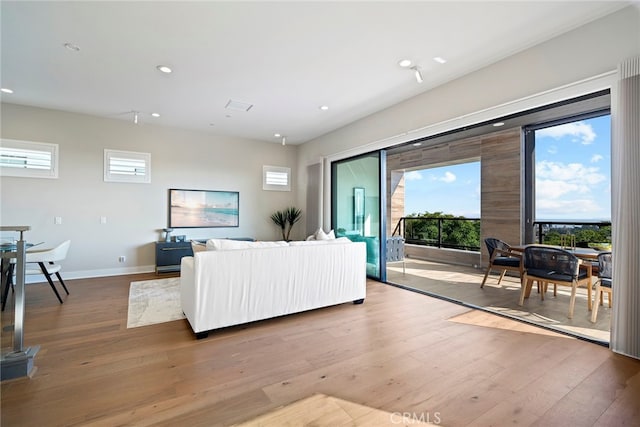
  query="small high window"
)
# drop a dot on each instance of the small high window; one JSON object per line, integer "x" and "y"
{"x": 28, "y": 159}
{"x": 275, "y": 178}
{"x": 127, "y": 166}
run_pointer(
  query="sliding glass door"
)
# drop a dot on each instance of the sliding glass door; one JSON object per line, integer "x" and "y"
{"x": 357, "y": 201}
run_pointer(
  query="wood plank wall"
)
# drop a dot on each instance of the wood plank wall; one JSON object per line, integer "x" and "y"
{"x": 501, "y": 176}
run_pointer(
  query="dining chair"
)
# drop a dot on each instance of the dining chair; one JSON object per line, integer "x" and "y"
{"x": 603, "y": 284}
{"x": 502, "y": 258}
{"x": 44, "y": 261}
{"x": 557, "y": 266}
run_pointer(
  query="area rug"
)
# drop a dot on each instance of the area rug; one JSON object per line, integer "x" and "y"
{"x": 322, "y": 410}
{"x": 154, "y": 301}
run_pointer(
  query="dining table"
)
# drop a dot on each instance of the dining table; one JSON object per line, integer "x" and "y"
{"x": 588, "y": 256}
{"x": 7, "y": 266}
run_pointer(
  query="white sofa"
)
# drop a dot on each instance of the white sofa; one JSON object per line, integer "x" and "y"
{"x": 242, "y": 282}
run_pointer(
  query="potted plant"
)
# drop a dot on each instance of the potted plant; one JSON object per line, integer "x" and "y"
{"x": 285, "y": 219}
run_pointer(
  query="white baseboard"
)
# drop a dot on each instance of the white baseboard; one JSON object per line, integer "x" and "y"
{"x": 87, "y": 274}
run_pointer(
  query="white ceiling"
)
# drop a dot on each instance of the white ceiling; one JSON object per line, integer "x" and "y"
{"x": 285, "y": 58}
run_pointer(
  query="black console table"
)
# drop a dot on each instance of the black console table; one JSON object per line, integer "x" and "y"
{"x": 169, "y": 255}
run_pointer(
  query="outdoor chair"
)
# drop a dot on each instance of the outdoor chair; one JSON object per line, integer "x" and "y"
{"x": 557, "y": 266}
{"x": 502, "y": 258}
{"x": 603, "y": 284}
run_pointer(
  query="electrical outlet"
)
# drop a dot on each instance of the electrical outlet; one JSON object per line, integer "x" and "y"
{"x": 57, "y": 220}
{"x": 122, "y": 258}
{"x": 103, "y": 220}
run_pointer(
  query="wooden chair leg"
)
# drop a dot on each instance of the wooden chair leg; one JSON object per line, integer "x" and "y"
{"x": 596, "y": 304}
{"x": 526, "y": 285}
{"x": 572, "y": 302}
{"x": 501, "y": 276}
{"x": 485, "y": 277}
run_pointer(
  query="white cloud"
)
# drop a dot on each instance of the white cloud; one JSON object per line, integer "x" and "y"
{"x": 552, "y": 149}
{"x": 575, "y": 173}
{"x": 448, "y": 177}
{"x": 596, "y": 158}
{"x": 412, "y": 176}
{"x": 581, "y": 131}
{"x": 567, "y": 208}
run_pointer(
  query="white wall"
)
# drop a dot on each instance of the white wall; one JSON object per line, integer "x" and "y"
{"x": 135, "y": 212}
{"x": 520, "y": 81}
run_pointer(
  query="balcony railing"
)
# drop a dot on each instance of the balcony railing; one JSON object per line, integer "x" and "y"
{"x": 584, "y": 232}
{"x": 464, "y": 233}
{"x": 453, "y": 233}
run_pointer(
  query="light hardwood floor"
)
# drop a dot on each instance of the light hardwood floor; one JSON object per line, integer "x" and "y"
{"x": 398, "y": 352}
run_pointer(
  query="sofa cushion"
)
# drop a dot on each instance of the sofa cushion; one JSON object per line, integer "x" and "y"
{"x": 197, "y": 246}
{"x": 340, "y": 240}
{"x": 227, "y": 244}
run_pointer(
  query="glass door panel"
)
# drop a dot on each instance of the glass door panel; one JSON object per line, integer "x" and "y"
{"x": 356, "y": 205}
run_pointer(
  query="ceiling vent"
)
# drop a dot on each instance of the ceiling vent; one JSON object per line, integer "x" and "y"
{"x": 238, "y": 106}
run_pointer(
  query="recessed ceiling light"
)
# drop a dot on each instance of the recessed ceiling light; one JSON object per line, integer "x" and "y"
{"x": 405, "y": 63}
{"x": 276, "y": 135}
{"x": 164, "y": 69}
{"x": 439, "y": 60}
{"x": 498, "y": 124}
{"x": 324, "y": 107}
{"x": 72, "y": 47}
{"x": 6, "y": 90}
{"x": 155, "y": 114}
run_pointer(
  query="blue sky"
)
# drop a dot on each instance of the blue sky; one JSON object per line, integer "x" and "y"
{"x": 573, "y": 170}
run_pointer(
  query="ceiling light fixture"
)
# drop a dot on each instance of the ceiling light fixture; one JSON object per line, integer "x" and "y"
{"x": 439, "y": 59}
{"x": 164, "y": 69}
{"x": 276, "y": 135}
{"x": 418, "y": 74}
{"x": 6, "y": 90}
{"x": 417, "y": 144}
{"x": 498, "y": 124}
{"x": 155, "y": 114}
{"x": 405, "y": 63}
{"x": 72, "y": 47}
{"x": 324, "y": 107}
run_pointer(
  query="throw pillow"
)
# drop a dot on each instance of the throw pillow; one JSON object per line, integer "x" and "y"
{"x": 321, "y": 235}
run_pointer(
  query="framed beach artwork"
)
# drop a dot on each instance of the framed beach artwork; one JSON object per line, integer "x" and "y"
{"x": 203, "y": 208}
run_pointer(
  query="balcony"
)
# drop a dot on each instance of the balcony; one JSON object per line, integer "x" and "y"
{"x": 462, "y": 285}
{"x": 439, "y": 266}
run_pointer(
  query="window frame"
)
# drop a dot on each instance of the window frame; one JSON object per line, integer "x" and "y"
{"x": 30, "y": 172}
{"x": 266, "y": 185}
{"x": 110, "y": 176}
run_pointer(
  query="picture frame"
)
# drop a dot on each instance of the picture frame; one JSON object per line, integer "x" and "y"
{"x": 203, "y": 208}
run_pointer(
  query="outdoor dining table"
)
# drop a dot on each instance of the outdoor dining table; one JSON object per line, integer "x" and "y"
{"x": 589, "y": 255}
